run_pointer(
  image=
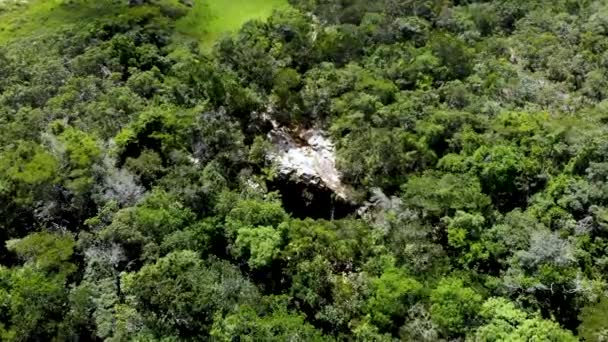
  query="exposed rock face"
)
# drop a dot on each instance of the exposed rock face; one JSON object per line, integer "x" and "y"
{"x": 308, "y": 157}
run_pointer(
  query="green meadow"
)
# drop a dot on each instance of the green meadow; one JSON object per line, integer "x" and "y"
{"x": 205, "y": 22}
{"x": 23, "y": 18}
{"x": 210, "y": 19}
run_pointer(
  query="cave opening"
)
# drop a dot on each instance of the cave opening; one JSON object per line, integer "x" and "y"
{"x": 308, "y": 201}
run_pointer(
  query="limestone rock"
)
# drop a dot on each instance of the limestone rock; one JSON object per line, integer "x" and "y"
{"x": 307, "y": 156}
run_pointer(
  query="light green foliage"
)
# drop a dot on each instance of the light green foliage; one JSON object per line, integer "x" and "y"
{"x": 443, "y": 129}
{"x": 156, "y": 130}
{"x": 548, "y": 263}
{"x": 454, "y": 306}
{"x": 81, "y": 148}
{"x": 464, "y": 227}
{"x": 341, "y": 242}
{"x": 148, "y": 166}
{"x": 30, "y": 298}
{"x": 504, "y": 322}
{"x": 160, "y": 213}
{"x": 277, "y": 324}
{"x": 365, "y": 331}
{"x": 200, "y": 190}
{"x": 594, "y": 326}
{"x": 79, "y": 151}
{"x": 285, "y": 97}
{"x": 464, "y": 234}
{"x": 502, "y": 169}
{"x": 128, "y": 325}
{"x": 311, "y": 279}
{"x": 315, "y": 250}
{"x": 374, "y": 154}
{"x": 392, "y": 295}
{"x": 45, "y": 251}
{"x": 284, "y": 41}
{"x": 29, "y": 164}
{"x": 37, "y": 291}
{"x": 199, "y": 237}
{"x": 261, "y": 243}
{"x": 454, "y": 57}
{"x": 348, "y": 291}
{"x": 25, "y": 169}
{"x": 254, "y": 213}
{"x": 145, "y": 84}
{"x": 510, "y": 234}
{"x": 37, "y": 16}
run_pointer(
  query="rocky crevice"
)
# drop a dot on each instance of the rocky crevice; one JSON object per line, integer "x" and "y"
{"x": 308, "y": 179}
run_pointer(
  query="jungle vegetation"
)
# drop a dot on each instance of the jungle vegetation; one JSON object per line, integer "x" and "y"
{"x": 135, "y": 197}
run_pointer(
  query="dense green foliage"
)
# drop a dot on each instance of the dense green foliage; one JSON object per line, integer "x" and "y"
{"x": 135, "y": 192}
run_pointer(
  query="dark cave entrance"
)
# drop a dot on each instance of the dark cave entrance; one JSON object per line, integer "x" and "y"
{"x": 307, "y": 201}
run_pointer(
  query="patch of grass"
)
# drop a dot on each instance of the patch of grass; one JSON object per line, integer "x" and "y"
{"x": 37, "y": 17}
{"x": 31, "y": 18}
{"x": 205, "y": 22}
{"x": 210, "y": 19}
{"x": 17, "y": 19}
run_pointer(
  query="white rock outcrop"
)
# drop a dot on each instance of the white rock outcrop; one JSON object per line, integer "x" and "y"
{"x": 307, "y": 156}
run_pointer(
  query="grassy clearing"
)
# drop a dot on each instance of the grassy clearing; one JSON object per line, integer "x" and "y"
{"x": 23, "y": 19}
{"x": 18, "y": 19}
{"x": 206, "y": 22}
{"x": 210, "y": 19}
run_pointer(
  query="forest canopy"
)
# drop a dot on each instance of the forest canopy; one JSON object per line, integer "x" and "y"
{"x": 141, "y": 198}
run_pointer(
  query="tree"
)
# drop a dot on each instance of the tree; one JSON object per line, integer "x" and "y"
{"x": 142, "y": 228}
{"x": 545, "y": 275}
{"x": 505, "y": 172}
{"x": 508, "y": 235}
{"x": 248, "y": 213}
{"x": 372, "y": 156}
{"x": 25, "y": 170}
{"x": 475, "y": 129}
{"x": 45, "y": 251}
{"x": 77, "y": 152}
{"x": 274, "y": 323}
{"x": 180, "y": 294}
{"x": 464, "y": 233}
{"x": 504, "y": 322}
{"x": 160, "y": 130}
{"x": 260, "y": 243}
{"x": 34, "y": 295}
{"x": 392, "y": 294}
{"x": 454, "y": 56}
{"x": 437, "y": 195}
{"x": 454, "y": 307}
{"x": 593, "y": 325}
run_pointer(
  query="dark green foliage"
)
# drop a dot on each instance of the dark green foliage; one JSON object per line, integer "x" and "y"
{"x": 139, "y": 199}
{"x": 180, "y": 293}
{"x": 272, "y": 322}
